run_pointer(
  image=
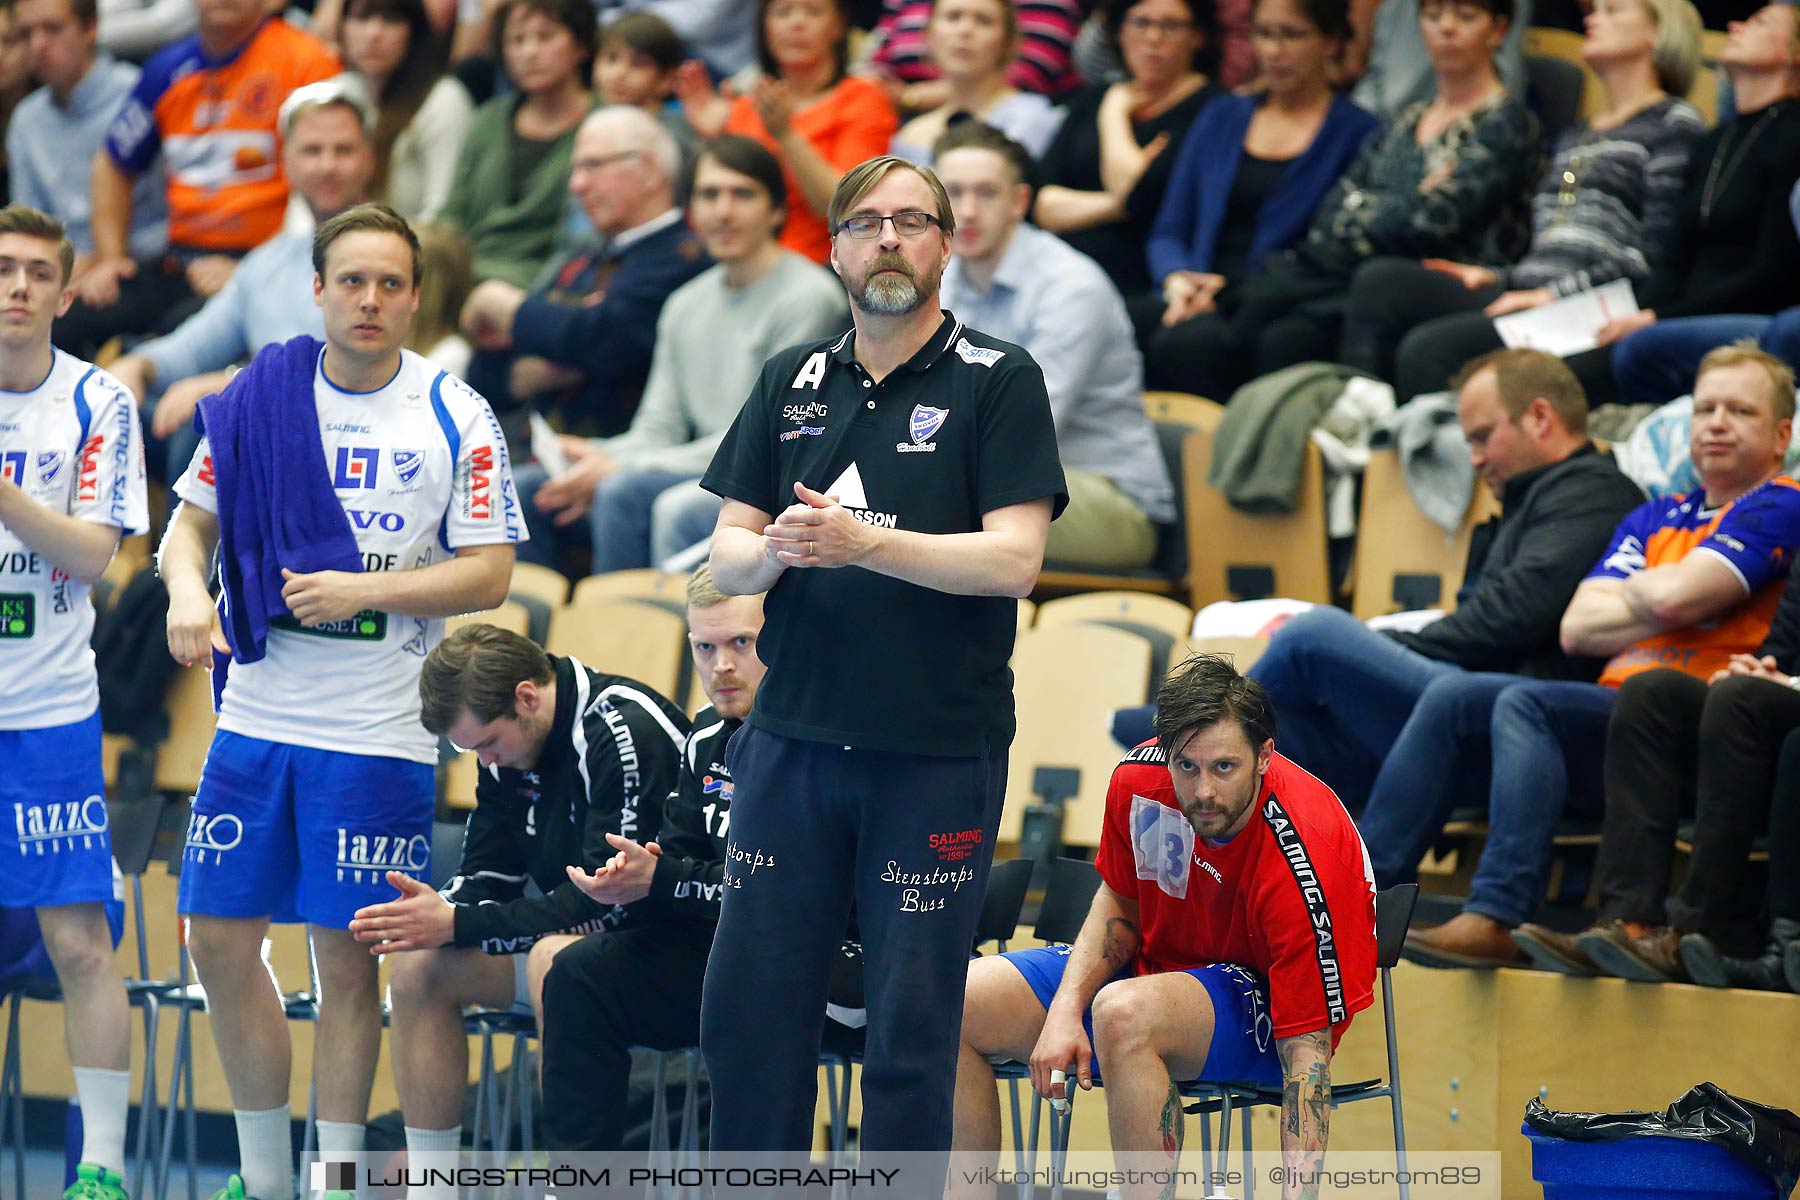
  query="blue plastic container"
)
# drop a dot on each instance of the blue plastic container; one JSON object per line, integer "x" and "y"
{"x": 1642, "y": 1168}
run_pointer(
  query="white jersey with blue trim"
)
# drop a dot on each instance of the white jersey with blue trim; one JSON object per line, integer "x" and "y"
{"x": 74, "y": 445}
{"x": 421, "y": 469}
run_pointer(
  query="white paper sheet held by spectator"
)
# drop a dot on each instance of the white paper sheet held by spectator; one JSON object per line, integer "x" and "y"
{"x": 1567, "y": 326}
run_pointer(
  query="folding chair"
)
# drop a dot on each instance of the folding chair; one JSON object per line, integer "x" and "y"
{"x": 132, "y": 828}
{"x": 1068, "y": 895}
{"x": 1393, "y": 916}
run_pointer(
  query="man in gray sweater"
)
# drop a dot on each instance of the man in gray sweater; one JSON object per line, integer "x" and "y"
{"x": 639, "y": 490}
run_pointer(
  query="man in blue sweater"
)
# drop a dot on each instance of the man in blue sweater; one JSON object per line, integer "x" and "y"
{"x": 581, "y": 341}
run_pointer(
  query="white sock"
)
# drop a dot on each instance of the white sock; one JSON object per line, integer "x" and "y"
{"x": 104, "y": 1097}
{"x": 432, "y": 1149}
{"x": 266, "y": 1150}
{"x": 340, "y": 1140}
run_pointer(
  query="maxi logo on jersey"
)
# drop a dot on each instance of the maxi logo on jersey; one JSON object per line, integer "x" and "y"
{"x": 42, "y": 828}
{"x": 87, "y": 487}
{"x": 356, "y": 467}
{"x": 12, "y": 466}
{"x": 478, "y": 501}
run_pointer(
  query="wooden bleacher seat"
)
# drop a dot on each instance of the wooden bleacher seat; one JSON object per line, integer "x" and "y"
{"x": 1068, "y": 679}
{"x": 549, "y": 586}
{"x": 1027, "y": 615}
{"x": 632, "y": 585}
{"x": 1242, "y": 651}
{"x": 1120, "y": 609}
{"x": 624, "y": 637}
{"x": 510, "y": 616}
{"x": 1236, "y": 555}
{"x": 1405, "y": 560}
{"x": 1175, "y": 415}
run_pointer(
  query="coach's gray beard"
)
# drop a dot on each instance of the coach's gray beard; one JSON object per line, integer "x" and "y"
{"x": 889, "y": 295}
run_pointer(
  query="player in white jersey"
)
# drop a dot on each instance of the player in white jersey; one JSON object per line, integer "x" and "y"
{"x": 319, "y": 780}
{"x": 71, "y": 484}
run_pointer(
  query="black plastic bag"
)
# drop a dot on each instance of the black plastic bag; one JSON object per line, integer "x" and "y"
{"x": 1766, "y": 1138}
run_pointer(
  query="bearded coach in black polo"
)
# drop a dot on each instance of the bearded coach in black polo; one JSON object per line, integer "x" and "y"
{"x": 891, "y": 490}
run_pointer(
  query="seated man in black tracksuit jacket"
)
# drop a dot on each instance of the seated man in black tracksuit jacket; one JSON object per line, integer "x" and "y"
{"x": 641, "y": 986}
{"x": 572, "y": 759}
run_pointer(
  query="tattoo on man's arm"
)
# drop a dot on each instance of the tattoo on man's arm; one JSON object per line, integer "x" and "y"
{"x": 1121, "y": 943}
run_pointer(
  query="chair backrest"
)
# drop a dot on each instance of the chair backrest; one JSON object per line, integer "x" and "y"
{"x": 1553, "y": 90}
{"x": 1116, "y": 608}
{"x": 631, "y": 585}
{"x": 1068, "y": 894}
{"x": 530, "y": 579}
{"x": 1565, "y": 46}
{"x": 1068, "y": 679}
{"x": 1235, "y": 555}
{"x": 1005, "y": 900}
{"x": 1393, "y": 916}
{"x": 511, "y": 616}
{"x": 624, "y": 637}
{"x": 1404, "y": 559}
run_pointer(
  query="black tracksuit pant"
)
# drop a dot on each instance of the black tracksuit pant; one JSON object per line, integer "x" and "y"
{"x": 603, "y": 995}
{"x": 814, "y": 826}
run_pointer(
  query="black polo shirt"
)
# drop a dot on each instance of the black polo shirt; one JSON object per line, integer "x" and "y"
{"x": 960, "y": 429}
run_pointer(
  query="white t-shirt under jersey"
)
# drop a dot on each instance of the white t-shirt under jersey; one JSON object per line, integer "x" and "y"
{"x": 73, "y": 444}
{"x": 420, "y": 467}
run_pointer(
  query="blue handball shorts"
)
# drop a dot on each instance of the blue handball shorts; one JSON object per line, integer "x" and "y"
{"x": 299, "y": 834}
{"x": 54, "y": 846}
{"x": 1243, "y": 1044}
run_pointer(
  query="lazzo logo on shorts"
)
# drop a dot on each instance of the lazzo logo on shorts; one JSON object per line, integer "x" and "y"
{"x": 377, "y": 853}
{"x": 40, "y": 827}
{"x": 212, "y": 833}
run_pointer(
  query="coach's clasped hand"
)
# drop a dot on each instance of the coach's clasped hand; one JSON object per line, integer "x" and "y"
{"x": 817, "y": 532}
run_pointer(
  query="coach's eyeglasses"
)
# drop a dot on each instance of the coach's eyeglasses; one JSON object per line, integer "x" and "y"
{"x": 864, "y": 226}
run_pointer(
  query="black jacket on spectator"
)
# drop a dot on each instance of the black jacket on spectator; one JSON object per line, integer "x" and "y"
{"x": 1741, "y": 254}
{"x": 598, "y": 315}
{"x": 1524, "y": 565}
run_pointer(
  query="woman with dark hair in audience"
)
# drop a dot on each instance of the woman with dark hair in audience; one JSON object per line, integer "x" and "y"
{"x": 1250, "y": 173}
{"x": 1044, "y": 63}
{"x": 1106, "y": 172}
{"x": 514, "y": 171}
{"x": 819, "y": 120}
{"x": 1605, "y": 210}
{"x": 972, "y": 41}
{"x": 1450, "y": 177}
{"x": 424, "y": 113}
